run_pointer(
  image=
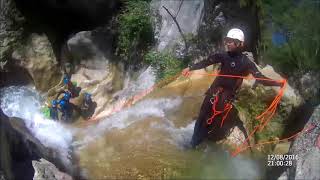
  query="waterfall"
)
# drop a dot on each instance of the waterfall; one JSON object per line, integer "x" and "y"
{"x": 25, "y": 103}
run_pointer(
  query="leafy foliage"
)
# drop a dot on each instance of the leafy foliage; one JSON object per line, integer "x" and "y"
{"x": 135, "y": 29}
{"x": 165, "y": 64}
{"x": 300, "y": 53}
{"x": 300, "y": 24}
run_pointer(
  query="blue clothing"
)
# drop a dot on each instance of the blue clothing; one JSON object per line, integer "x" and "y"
{"x": 65, "y": 109}
{"x": 54, "y": 113}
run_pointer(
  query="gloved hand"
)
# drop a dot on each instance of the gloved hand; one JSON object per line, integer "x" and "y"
{"x": 186, "y": 72}
{"x": 283, "y": 83}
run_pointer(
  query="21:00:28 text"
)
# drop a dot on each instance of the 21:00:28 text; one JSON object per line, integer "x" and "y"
{"x": 280, "y": 163}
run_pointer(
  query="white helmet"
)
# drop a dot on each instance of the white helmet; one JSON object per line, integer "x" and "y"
{"x": 236, "y": 33}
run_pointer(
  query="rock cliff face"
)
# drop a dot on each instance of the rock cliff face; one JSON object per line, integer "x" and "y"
{"x": 308, "y": 85}
{"x": 307, "y": 149}
{"x": 204, "y": 24}
{"x": 38, "y": 59}
{"x": 219, "y": 16}
{"x": 19, "y": 147}
{"x": 15, "y": 155}
{"x": 188, "y": 15}
{"x": 11, "y": 29}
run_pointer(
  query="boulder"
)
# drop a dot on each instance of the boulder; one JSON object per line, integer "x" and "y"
{"x": 308, "y": 84}
{"x": 38, "y": 59}
{"x": 252, "y": 102}
{"x": 19, "y": 147}
{"x": 93, "y": 45}
{"x": 95, "y": 73}
{"x": 46, "y": 170}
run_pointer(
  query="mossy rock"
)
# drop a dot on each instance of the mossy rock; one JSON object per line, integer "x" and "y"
{"x": 254, "y": 102}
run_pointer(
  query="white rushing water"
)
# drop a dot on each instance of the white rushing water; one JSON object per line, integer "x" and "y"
{"x": 25, "y": 103}
{"x": 133, "y": 86}
{"x": 128, "y": 116}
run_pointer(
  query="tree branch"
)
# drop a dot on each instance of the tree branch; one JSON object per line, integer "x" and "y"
{"x": 179, "y": 28}
{"x": 181, "y": 2}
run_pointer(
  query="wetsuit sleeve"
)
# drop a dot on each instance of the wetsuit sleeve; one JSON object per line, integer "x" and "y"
{"x": 212, "y": 59}
{"x": 257, "y": 74}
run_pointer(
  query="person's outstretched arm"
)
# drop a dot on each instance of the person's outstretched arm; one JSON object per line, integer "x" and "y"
{"x": 257, "y": 74}
{"x": 212, "y": 59}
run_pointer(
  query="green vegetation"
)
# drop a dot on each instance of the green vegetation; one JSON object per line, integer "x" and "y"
{"x": 299, "y": 23}
{"x": 135, "y": 29}
{"x": 165, "y": 64}
{"x": 136, "y": 37}
{"x": 253, "y": 104}
{"x": 46, "y": 112}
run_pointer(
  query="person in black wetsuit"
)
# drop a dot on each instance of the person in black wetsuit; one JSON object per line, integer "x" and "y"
{"x": 88, "y": 106}
{"x": 54, "y": 110}
{"x": 74, "y": 90}
{"x": 65, "y": 107}
{"x": 233, "y": 62}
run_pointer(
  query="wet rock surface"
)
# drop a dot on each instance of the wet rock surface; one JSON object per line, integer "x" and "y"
{"x": 11, "y": 29}
{"x": 307, "y": 84}
{"x": 38, "y": 59}
{"x": 307, "y": 149}
{"x": 46, "y": 170}
{"x": 19, "y": 148}
{"x": 15, "y": 157}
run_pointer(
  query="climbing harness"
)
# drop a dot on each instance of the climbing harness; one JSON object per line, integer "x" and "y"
{"x": 227, "y": 107}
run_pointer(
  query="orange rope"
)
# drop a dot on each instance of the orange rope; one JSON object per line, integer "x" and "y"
{"x": 265, "y": 116}
{"x": 132, "y": 100}
{"x": 238, "y": 150}
{"x": 227, "y": 109}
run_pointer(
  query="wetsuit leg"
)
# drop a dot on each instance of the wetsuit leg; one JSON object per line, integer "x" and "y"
{"x": 224, "y": 97}
{"x": 64, "y": 116}
{"x": 54, "y": 113}
{"x": 200, "y": 129}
